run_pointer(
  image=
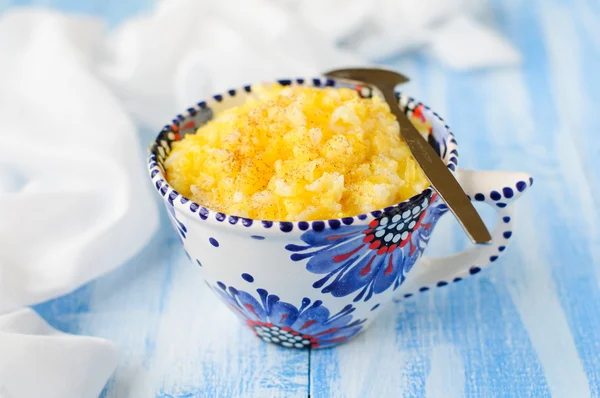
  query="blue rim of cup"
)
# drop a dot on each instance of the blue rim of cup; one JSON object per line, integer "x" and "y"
{"x": 160, "y": 148}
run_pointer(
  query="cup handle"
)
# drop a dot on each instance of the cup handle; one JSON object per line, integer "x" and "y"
{"x": 495, "y": 188}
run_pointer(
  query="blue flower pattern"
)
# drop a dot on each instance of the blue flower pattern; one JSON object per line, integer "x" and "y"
{"x": 309, "y": 326}
{"x": 369, "y": 260}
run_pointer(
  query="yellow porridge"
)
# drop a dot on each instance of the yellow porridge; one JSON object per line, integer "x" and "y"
{"x": 297, "y": 153}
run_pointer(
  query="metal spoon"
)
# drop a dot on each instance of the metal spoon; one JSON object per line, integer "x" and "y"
{"x": 434, "y": 168}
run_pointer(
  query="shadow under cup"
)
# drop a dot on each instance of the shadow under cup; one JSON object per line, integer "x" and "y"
{"x": 302, "y": 284}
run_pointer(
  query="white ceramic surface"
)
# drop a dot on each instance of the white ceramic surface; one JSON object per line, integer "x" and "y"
{"x": 319, "y": 283}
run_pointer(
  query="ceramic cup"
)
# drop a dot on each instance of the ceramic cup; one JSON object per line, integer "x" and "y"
{"x": 313, "y": 284}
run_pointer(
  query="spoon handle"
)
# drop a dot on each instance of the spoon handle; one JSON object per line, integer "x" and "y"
{"x": 438, "y": 174}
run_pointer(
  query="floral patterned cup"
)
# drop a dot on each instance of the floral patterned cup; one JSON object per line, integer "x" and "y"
{"x": 312, "y": 284}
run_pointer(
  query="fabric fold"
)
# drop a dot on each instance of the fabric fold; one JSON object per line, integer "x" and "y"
{"x": 39, "y": 361}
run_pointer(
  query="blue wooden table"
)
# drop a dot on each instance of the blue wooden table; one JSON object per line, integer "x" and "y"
{"x": 528, "y": 326}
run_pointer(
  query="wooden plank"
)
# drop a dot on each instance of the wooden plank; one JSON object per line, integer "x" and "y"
{"x": 577, "y": 252}
{"x": 113, "y": 12}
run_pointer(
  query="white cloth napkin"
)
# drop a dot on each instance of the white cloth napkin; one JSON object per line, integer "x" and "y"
{"x": 163, "y": 63}
{"x": 74, "y": 198}
{"x": 39, "y": 361}
{"x": 453, "y": 31}
{"x": 75, "y": 201}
